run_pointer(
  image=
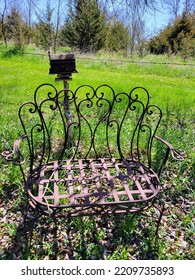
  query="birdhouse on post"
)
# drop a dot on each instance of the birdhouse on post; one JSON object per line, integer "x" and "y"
{"x": 63, "y": 65}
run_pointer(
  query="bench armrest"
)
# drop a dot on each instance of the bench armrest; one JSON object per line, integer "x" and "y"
{"x": 178, "y": 155}
{"x": 15, "y": 155}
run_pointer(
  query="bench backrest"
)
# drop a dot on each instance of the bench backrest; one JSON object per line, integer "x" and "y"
{"x": 89, "y": 123}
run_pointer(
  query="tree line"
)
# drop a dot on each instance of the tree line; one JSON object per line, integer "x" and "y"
{"x": 178, "y": 37}
{"x": 91, "y": 25}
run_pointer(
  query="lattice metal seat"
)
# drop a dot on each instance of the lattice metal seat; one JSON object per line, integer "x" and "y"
{"x": 93, "y": 182}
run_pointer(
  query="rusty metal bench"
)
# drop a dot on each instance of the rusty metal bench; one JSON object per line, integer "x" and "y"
{"x": 105, "y": 159}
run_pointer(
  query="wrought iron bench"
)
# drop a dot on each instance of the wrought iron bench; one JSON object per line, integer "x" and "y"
{"x": 103, "y": 158}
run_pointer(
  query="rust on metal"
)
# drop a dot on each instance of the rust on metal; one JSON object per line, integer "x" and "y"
{"x": 93, "y": 182}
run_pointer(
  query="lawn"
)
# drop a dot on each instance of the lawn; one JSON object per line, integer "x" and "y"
{"x": 172, "y": 88}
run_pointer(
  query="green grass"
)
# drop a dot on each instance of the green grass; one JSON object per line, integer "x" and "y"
{"x": 172, "y": 88}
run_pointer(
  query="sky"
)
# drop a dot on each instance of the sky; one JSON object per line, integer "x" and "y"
{"x": 154, "y": 22}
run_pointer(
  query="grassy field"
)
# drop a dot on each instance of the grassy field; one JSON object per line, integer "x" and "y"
{"x": 172, "y": 87}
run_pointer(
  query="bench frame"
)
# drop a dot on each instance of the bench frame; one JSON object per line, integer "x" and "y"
{"x": 76, "y": 182}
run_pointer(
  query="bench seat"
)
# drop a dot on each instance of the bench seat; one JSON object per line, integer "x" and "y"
{"x": 86, "y": 183}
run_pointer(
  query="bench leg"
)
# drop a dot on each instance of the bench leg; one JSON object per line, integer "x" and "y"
{"x": 160, "y": 208}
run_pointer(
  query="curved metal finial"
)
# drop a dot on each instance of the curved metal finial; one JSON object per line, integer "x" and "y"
{"x": 178, "y": 154}
{"x": 15, "y": 155}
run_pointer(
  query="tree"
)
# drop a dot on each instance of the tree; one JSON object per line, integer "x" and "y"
{"x": 174, "y": 7}
{"x": 16, "y": 28}
{"x": 3, "y": 26}
{"x": 117, "y": 37}
{"x": 189, "y": 6}
{"x": 57, "y": 27}
{"x": 85, "y": 26}
{"x": 178, "y": 37}
{"x": 45, "y": 28}
{"x": 28, "y": 14}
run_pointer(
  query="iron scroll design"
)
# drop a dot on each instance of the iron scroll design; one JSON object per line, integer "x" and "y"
{"x": 123, "y": 118}
{"x": 15, "y": 155}
{"x": 37, "y": 126}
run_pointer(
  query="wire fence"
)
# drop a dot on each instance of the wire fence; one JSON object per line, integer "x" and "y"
{"x": 112, "y": 60}
{"x": 101, "y": 60}
{"x": 135, "y": 61}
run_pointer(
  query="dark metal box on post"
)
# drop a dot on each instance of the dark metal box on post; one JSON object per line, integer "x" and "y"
{"x": 64, "y": 65}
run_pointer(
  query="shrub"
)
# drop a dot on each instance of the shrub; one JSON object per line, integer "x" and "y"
{"x": 178, "y": 37}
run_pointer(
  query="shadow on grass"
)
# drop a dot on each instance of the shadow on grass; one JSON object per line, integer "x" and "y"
{"x": 32, "y": 236}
